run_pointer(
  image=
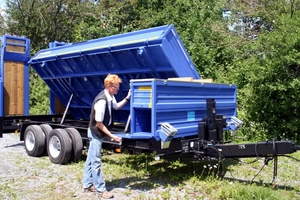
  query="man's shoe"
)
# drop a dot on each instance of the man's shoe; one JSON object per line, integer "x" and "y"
{"x": 105, "y": 195}
{"x": 90, "y": 189}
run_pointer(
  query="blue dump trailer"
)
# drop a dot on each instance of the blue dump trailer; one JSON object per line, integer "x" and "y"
{"x": 171, "y": 110}
{"x": 168, "y": 96}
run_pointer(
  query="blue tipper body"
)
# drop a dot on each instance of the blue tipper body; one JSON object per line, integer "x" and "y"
{"x": 144, "y": 60}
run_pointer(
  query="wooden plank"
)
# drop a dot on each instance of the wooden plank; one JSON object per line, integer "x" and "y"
{"x": 13, "y": 88}
{"x": 181, "y": 79}
{"x": 59, "y": 107}
{"x": 209, "y": 80}
{"x": 15, "y": 48}
{"x": 15, "y": 41}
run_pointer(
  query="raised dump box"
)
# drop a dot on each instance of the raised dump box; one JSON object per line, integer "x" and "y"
{"x": 14, "y": 75}
{"x": 80, "y": 68}
{"x": 165, "y": 109}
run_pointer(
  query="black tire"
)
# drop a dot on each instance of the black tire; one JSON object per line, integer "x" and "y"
{"x": 46, "y": 130}
{"x": 34, "y": 140}
{"x": 77, "y": 144}
{"x": 59, "y": 146}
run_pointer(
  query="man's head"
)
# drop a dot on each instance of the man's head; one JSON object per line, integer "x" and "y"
{"x": 112, "y": 83}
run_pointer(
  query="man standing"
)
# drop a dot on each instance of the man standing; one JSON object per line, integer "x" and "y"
{"x": 101, "y": 120}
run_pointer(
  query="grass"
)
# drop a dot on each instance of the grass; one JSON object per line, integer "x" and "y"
{"x": 154, "y": 180}
{"x": 245, "y": 179}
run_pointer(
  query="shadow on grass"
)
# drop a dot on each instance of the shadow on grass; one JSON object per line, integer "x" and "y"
{"x": 174, "y": 171}
{"x": 259, "y": 183}
{"x": 19, "y": 144}
{"x": 163, "y": 173}
{"x": 272, "y": 184}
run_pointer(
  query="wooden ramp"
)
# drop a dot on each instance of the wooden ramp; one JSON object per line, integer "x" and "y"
{"x": 13, "y": 88}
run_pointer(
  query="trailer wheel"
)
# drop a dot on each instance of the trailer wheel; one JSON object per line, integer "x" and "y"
{"x": 77, "y": 144}
{"x": 34, "y": 140}
{"x": 46, "y": 130}
{"x": 59, "y": 146}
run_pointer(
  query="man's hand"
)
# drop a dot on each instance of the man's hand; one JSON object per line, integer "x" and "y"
{"x": 129, "y": 94}
{"x": 117, "y": 139}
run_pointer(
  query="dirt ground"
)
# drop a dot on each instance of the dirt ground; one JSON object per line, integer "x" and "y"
{"x": 23, "y": 177}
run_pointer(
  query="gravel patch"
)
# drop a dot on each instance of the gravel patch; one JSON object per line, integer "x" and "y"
{"x": 24, "y": 177}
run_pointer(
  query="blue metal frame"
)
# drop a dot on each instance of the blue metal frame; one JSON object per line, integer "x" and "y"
{"x": 52, "y": 95}
{"x": 17, "y": 57}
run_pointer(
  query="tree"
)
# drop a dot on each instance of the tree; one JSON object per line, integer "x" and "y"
{"x": 43, "y": 22}
{"x": 267, "y": 73}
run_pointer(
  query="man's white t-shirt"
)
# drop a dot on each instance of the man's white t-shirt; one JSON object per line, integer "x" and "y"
{"x": 100, "y": 106}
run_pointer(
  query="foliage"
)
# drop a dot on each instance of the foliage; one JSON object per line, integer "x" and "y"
{"x": 194, "y": 21}
{"x": 39, "y": 95}
{"x": 267, "y": 73}
{"x": 97, "y": 21}
{"x": 43, "y": 22}
{"x": 2, "y": 21}
{"x": 276, "y": 88}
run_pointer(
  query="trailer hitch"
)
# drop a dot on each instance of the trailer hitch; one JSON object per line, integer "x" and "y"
{"x": 210, "y": 144}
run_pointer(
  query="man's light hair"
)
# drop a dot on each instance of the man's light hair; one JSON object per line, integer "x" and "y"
{"x": 111, "y": 79}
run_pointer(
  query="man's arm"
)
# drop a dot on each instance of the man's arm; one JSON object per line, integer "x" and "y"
{"x": 103, "y": 128}
{"x": 120, "y": 104}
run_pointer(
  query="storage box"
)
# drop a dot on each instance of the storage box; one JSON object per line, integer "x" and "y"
{"x": 181, "y": 104}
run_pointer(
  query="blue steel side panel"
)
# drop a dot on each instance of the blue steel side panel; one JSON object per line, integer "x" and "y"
{"x": 82, "y": 67}
{"x": 181, "y": 104}
{"x": 22, "y": 42}
{"x": 52, "y": 95}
